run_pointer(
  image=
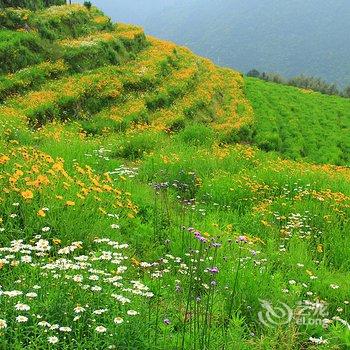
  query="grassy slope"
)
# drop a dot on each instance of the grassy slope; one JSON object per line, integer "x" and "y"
{"x": 300, "y": 124}
{"x": 132, "y": 150}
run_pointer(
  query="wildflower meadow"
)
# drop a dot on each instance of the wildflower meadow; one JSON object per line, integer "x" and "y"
{"x": 152, "y": 200}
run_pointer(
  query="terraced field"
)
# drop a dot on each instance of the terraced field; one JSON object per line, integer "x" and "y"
{"x": 136, "y": 209}
{"x": 300, "y": 124}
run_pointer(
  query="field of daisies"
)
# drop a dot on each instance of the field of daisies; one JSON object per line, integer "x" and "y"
{"x": 136, "y": 211}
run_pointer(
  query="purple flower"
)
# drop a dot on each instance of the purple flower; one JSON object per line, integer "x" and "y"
{"x": 166, "y": 321}
{"x": 242, "y": 239}
{"x": 213, "y": 270}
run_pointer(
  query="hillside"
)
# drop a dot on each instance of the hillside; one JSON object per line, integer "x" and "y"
{"x": 288, "y": 37}
{"x": 300, "y": 124}
{"x": 152, "y": 200}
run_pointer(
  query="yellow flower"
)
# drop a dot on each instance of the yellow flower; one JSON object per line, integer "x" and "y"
{"x": 27, "y": 194}
{"x": 58, "y": 166}
{"x": 70, "y": 204}
{"x": 102, "y": 211}
{"x": 41, "y": 213}
{"x": 4, "y": 159}
{"x": 135, "y": 262}
{"x": 56, "y": 241}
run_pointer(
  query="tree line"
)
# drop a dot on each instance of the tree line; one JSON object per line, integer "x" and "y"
{"x": 37, "y": 4}
{"x": 303, "y": 82}
{"x": 30, "y": 4}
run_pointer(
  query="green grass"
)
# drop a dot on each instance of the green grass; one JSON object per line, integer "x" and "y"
{"x": 300, "y": 124}
{"x": 133, "y": 186}
{"x": 19, "y": 50}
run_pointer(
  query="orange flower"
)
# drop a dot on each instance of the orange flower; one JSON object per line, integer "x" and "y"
{"x": 27, "y": 194}
{"x": 58, "y": 166}
{"x": 70, "y": 204}
{"x": 4, "y": 159}
{"x": 41, "y": 213}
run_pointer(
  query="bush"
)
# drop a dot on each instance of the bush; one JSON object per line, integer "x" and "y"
{"x": 157, "y": 101}
{"x": 177, "y": 125}
{"x": 197, "y": 135}
{"x": 19, "y": 50}
{"x": 303, "y": 82}
{"x": 101, "y": 54}
{"x": 270, "y": 142}
{"x": 137, "y": 146}
{"x": 30, "y": 77}
{"x": 88, "y": 5}
{"x": 30, "y": 4}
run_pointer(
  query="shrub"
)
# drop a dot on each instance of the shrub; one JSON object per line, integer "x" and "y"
{"x": 100, "y": 54}
{"x": 270, "y": 142}
{"x": 244, "y": 134}
{"x": 197, "y": 135}
{"x": 177, "y": 125}
{"x": 88, "y": 5}
{"x": 29, "y": 78}
{"x": 137, "y": 146}
{"x": 159, "y": 100}
{"x": 30, "y": 4}
{"x": 19, "y": 50}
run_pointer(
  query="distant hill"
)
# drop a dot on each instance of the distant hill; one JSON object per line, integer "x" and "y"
{"x": 289, "y": 37}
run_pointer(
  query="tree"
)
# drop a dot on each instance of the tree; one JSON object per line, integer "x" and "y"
{"x": 253, "y": 73}
{"x": 87, "y": 4}
{"x": 347, "y": 92}
{"x": 30, "y": 4}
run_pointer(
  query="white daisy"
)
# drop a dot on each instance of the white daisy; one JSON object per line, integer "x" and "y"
{"x": 79, "y": 309}
{"x": 100, "y": 329}
{"x": 21, "y": 319}
{"x": 118, "y": 320}
{"x": 3, "y": 324}
{"x": 52, "y": 340}
{"x": 132, "y": 312}
{"x": 22, "y": 307}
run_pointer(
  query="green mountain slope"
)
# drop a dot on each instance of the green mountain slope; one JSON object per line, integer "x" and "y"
{"x": 30, "y": 4}
{"x": 137, "y": 210}
{"x": 300, "y": 123}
